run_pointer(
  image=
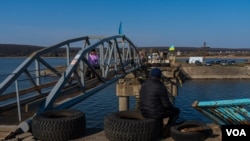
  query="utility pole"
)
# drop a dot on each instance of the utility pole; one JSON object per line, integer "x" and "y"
{"x": 204, "y": 50}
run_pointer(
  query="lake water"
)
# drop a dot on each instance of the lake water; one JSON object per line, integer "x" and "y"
{"x": 105, "y": 101}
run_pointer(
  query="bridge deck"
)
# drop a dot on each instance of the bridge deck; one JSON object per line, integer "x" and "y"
{"x": 9, "y": 113}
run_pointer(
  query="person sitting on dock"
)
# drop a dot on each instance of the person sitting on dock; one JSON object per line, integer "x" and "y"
{"x": 93, "y": 61}
{"x": 155, "y": 103}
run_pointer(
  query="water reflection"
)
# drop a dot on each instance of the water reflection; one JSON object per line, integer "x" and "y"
{"x": 206, "y": 90}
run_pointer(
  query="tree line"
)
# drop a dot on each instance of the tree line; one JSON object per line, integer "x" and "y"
{"x": 13, "y": 50}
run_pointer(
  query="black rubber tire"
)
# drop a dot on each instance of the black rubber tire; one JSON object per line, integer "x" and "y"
{"x": 201, "y": 135}
{"x": 59, "y": 125}
{"x": 130, "y": 126}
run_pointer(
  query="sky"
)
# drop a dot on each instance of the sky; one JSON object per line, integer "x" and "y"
{"x": 182, "y": 23}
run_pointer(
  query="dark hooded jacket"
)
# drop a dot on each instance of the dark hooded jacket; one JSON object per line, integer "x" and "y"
{"x": 154, "y": 100}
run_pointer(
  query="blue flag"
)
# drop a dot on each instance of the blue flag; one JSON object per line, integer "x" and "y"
{"x": 120, "y": 28}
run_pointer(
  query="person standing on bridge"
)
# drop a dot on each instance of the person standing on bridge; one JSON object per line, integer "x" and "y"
{"x": 155, "y": 103}
{"x": 93, "y": 61}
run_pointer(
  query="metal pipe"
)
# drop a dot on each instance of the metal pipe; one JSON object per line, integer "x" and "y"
{"x": 18, "y": 101}
{"x": 67, "y": 52}
{"x": 37, "y": 66}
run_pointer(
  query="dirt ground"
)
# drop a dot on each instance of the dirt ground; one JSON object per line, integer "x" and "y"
{"x": 99, "y": 135}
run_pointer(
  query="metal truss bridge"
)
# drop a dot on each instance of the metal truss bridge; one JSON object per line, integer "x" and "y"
{"x": 38, "y": 84}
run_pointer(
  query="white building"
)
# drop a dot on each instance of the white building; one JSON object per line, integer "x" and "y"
{"x": 193, "y": 59}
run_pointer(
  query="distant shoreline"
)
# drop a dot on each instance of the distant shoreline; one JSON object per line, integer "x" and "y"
{"x": 176, "y": 57}
{"x": 28, "y": 56}
{"x": 216, "y": 56}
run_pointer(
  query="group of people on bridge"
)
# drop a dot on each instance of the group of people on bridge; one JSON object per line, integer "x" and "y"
{"x": 93, "y": 61}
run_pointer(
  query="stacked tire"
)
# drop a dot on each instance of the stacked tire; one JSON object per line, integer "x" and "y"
{"x": 130, "y": 126}
{"x": 59, "y": 125}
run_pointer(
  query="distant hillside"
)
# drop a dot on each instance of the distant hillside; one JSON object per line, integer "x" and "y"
{"x": 188, "y": 49}
{"x": 13, "y": 50}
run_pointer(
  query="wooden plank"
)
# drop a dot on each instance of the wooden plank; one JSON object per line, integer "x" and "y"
{"x": 13, "y": 105}
{"x": 5, "y": 130}
{"x": 13, "y": 94}
{"x": 26, "y": 91}
{"x": 34, "y": 104}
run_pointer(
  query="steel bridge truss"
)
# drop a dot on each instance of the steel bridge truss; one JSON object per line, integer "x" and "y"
{"x": 118, "y": 56}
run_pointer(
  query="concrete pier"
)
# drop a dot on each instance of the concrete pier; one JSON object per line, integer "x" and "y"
{"x": 99, "y": 135}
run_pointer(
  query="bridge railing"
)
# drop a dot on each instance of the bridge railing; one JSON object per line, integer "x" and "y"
{"x": 118, "y": 56}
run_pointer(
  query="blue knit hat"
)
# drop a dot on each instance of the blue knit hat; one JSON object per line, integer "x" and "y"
{"x": 155, "y": 73}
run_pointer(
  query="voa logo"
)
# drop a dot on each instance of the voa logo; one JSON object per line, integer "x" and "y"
{"x": 236, "y": 132}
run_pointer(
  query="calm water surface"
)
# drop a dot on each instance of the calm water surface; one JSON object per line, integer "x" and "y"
{"x": 105, "y": 101}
